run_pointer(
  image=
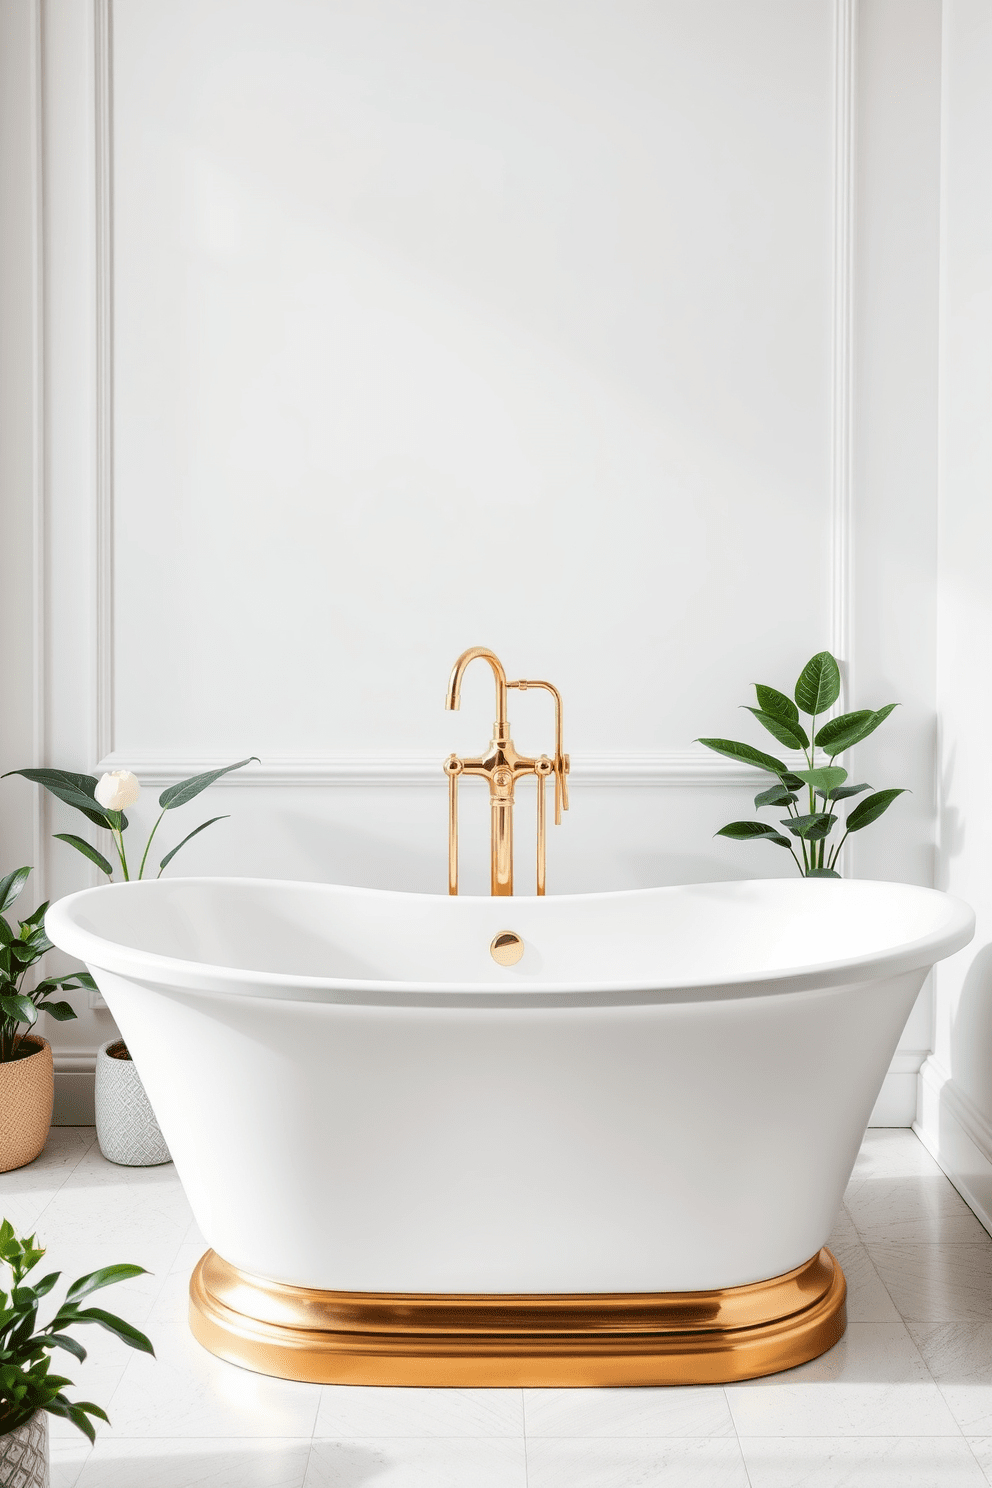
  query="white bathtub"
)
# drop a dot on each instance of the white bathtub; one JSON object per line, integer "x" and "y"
{"x": 667, "y": 1093}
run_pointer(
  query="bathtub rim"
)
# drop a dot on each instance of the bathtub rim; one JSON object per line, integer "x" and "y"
{"x": 154, "y": 970}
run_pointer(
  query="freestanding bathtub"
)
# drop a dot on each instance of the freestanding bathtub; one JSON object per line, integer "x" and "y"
{"x": 615, "y": 1162}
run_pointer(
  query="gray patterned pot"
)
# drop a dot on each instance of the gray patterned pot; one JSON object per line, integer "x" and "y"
{"x": 126, "y": 1128}
{"x": 24, "y": 1455}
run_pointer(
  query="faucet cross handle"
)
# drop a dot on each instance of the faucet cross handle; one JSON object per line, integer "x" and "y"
{"x": 562, "y": 764}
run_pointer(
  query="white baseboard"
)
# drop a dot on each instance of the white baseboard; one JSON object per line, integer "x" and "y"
{"x": 74, "y": 1077}
{"x": 896, "y": 1104}
{"x": 957, "y": 1134}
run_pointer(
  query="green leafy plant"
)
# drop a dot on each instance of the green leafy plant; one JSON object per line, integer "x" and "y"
{"x": 26, "y": 1385}
{"x": 810, "y": 821}
{"x": 102, "y": 802}
{"x": 18, "y": 953}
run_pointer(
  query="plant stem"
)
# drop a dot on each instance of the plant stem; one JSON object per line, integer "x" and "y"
{"x": 151, "y": 834}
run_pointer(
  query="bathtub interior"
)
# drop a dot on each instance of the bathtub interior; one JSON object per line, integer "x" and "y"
{"x": 691, "y": 934}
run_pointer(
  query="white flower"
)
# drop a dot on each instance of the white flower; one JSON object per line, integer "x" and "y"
{"x": 117, "y": 789}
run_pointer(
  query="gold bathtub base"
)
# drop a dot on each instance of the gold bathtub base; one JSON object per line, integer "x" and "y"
{"x": 664, "y": 1338}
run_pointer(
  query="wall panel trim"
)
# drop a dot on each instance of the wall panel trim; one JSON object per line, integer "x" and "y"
{"x": 662, "y": 768}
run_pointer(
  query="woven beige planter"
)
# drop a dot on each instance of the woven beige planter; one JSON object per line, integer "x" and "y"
{"x": 24, "y": 1455}
{"x": 27, "y": 1091}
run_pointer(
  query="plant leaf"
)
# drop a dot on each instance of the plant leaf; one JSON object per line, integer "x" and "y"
{"x": 818, "y": 687}
{"x": 775, "y": 795}
{"x": 823, "y": 873}
{"x": 825, "y": 779}
{"x": 185, "y": 790}
{"x": 770, "y": 700}
{"x": 871, "y": 808}
{"x": 743, "y": 831}
{"x": 120, "y": 1329}
{"x": 841, "y": 792}
{"x": 833, "y": 736}
{"x": 71, "y": 1345}
{"x": 791, "y": 781}
{"x": 74, "y": 790}
{"x": 62, "y": 1012}
{"x": 15, "y": 1005}
{"x": 202, "y": 827}
{"x": 792, "y": 735}
{"x": 745, "y": 754}
{"x": 87, "y": 850}
{"x": 106, "y": 1276}
{"x": 11, "y": 886}
{"x": 811, "y": 827}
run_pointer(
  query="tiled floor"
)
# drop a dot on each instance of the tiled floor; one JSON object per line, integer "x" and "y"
{"x": 903, "y": 1401}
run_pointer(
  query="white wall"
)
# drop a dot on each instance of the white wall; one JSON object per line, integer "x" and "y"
{"x": 956, "y": 1083}
{"x": 585, "y": 331}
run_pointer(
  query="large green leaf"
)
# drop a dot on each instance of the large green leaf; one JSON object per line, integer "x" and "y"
{"x": 850, "y": 728}
{"x": 841, "y": 732}
{"x": 791, "y": 781}
{"x": 87, "y": 850}
{"x": 775, "y": 795}
{"x": 122, "y": 1330}
{"x": 812, "y": 827}
{"x": 793, "y": 735}
{"x": 818, "y": 687}
{"x": 106, "y": 1276}
{"x": 74, "y": 790}
{"x": 11, "y": 886}
{"x": 871, "y": 808}
{"x": 15, "y": 1005}
{"x": 744, "y": 831}
{"x": 842, "y": 792}
{"x": 770, "y": 700}
{"x": 202, "y": 827}
{"x": 62, "y": 1012}
{"x": 745, "y": 754}
{"x": 185, "y": 790}
{"x": 825, "y": 779}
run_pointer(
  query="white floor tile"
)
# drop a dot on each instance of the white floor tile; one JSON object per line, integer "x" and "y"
{"x": 853, "y": 1462}
{"x": 872, "y": 1383}
{"x": 843, "y": 1232}
{"x": 187, "y": 1392}
{"x": 196, "y": 1463}
{"x": 700, "y": 1410}
{"x": 981, "y": 1446}
{"x": 916, "y": 1210}
{"x": 867, "y": 1299}
{"x": 893, "y": 1152}
{"x": 937, "y": 1283}
{"x": 421, "y": 1462}
{"x": 66, "y": 1456}
{"x": 362, "y": 1410}
{"x": 171, "y": 1304}
{"x": 624, "y": 1462}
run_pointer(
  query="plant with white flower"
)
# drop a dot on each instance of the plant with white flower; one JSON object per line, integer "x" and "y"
{"x": 103, "y": 802}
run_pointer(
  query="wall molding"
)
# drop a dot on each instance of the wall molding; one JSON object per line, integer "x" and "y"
{"x": 668, "y": 768}
{"x": 957, "y": 1134}
{"x": 675, "y": 768}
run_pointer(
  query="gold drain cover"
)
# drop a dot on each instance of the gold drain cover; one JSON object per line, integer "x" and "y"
{"x": 506, "y": 948}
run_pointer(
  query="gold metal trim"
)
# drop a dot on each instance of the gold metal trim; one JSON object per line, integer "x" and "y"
{"x": 664, "y": 1338}
{"x": 501, "y": 766}
{"x": 507, "y": 948}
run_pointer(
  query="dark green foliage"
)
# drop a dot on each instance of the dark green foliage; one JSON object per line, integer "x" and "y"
{"x": 26, "y": 1385}
{"x": 18, "y": 953}
{"x": 816, "y": 691}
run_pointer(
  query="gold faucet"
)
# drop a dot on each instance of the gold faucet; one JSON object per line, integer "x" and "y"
{"x": 502, "y": 766}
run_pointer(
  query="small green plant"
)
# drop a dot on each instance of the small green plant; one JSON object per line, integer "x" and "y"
{"x": 102, "y": 802}
{"x": 18, "y": 953}
{"x": 824, "y": 785}
{"x": 26, "y": 1385}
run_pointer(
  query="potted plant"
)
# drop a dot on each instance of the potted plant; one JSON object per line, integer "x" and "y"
{"x": 809, "y": 796}
{"x": 27, "y": 1085}
{"x": 29, "y": 1393}
{"x": 126, "y": 1128}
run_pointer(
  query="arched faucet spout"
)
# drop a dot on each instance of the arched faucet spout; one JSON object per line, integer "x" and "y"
{"x": 453, "y": 699}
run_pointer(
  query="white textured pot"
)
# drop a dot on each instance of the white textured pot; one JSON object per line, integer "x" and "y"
{"x": 126, "y": 1128}
{"x": 24, "y": 1455}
